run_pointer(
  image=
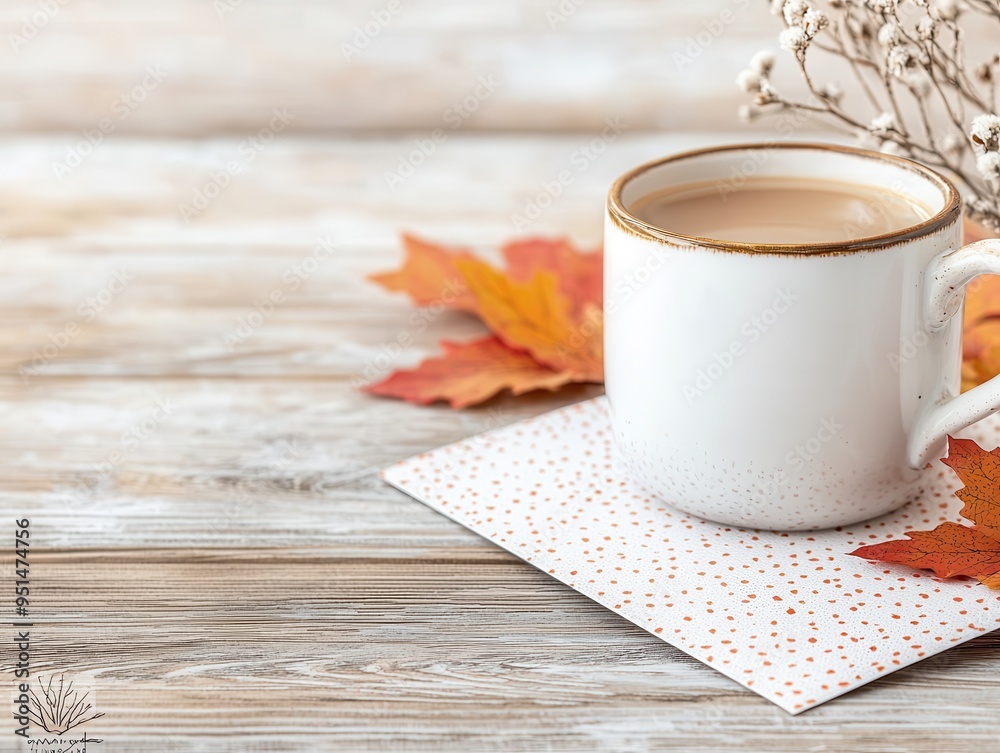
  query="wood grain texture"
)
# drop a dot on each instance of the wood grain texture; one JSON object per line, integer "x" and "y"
{"x": 227, "y": 63}
{"x": 561, "y": 65}
{"x": 239, "y": 580}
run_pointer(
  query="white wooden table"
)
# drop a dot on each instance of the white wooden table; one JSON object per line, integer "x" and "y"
{"x": 236, "y": 578}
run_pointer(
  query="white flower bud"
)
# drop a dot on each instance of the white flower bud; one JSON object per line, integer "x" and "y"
{"x": 762, "y": 63}
{"x": 794, "y": 40}
{"x": 882, "y": 6}
{"x": 919, "y": 81}
{"x": 947, "y": 10}
{"x": 831, "y": 92}
{"x": 890, "y": 35}
{"x": 901, "y": 58}
{"x": 985, "y": 133}
{"x": 795, "y": 11}
{"x": 814, "y": 21}
{"x": 989, "y": 167}
{"x": 989, "y": 164}
{"x": 748, "y": 81}
{"x": 953, "y": 145}
{"x": 927, "y": 27}
{"x": 883, "y": 124}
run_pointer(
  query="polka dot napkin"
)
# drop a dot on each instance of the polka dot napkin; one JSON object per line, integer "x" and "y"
{"x": 789, "y": 615}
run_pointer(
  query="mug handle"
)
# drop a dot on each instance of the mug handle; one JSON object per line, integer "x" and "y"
{"x": 944, "y": 292}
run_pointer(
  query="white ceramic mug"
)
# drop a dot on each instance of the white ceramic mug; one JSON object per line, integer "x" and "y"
{"x": 788, "y": 387}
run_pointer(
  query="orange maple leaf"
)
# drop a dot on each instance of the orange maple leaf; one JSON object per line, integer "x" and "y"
{"x": 536, "y": 317}
{"x": 953, "y": 549}
{"x": 544, "y": 311}
{"x": 429, "y": 275}
{"x": 982, "y": 301}
{"x": 981, "y": 323}
{"x": 979, "y": 470}
{"x": 991, "y": 581}
{"x": 981, "y": 337}
{"x": 470, "y": 373}
{"x": 950, "y": 549}
{"x": 581, "y": 275}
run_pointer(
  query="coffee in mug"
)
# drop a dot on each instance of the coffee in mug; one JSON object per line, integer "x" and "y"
{"x": 783, "y": 331}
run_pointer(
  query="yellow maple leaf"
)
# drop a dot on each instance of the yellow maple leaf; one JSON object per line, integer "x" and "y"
{"x": 534, "y": 316}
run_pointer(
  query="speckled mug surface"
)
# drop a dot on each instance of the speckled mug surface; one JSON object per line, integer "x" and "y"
{"x": 788, "y": 387}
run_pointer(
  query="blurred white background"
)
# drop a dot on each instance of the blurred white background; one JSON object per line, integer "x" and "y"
{"x": 373, "y": 65}
{"x": 367, "y": 66}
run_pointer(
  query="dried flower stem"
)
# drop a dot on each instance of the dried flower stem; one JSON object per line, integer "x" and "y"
{"x": 915, "y": 51}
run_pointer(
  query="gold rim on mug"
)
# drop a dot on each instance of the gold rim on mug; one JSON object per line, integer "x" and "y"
{"x": 628, "y": 222}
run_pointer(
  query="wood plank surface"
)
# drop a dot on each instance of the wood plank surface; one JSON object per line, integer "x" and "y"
{"x": 224, "y": 65}
{"x": 238, "y": 579}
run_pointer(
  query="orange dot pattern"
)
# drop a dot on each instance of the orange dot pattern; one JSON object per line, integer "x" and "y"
{"x": 789, "y": 615}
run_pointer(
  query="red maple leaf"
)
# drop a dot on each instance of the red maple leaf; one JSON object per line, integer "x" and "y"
{"x": 953, "y": 549}
{"x": 543, "y": 309}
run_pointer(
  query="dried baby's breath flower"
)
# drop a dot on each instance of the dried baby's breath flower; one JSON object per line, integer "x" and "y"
{"x": 815, "y": 21}
{"x": 890, "y": 35}
{"x": 762, "y": 63}
{"x": 953, "y": 144}
{"x": 796, "y": 40}
{"x": 748, "y": 81}
{"x": 989, "y": 167}
{"x": 882, "y": 6}
{"x": 986, "y": 133}
{"x": 754, "y": 78}
{"x": 883, "y": 124}
{"x": 927, "y": 28}
{"x": 947, "y": 10}
{"x": 917, "y": 81}
{"x": 804, "y": 23}
{"x": 794, "y": 12}
{"x": 831, "y": 92}
{"x": 902, "y": 58}
{"x": 914, "y": 91}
